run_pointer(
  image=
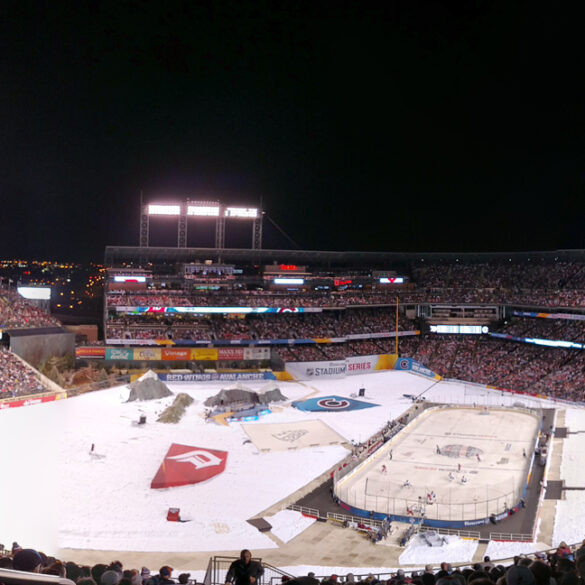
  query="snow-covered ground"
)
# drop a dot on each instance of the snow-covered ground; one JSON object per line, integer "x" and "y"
{"x": 54, "y": 494}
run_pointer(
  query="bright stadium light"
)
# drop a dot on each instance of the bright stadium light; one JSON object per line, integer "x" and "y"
{"x": 154, "y": 209}
{"x": 42, "y": 293}
{"x": 396, "y": 280}
{"x": 241, "y": 212}
{"x": 288, "y": 281}
{"x": 121, "y": 278}
{"x": 203, "y": 210}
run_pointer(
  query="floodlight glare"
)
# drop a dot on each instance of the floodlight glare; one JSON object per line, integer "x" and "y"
{"x": 154, "y": 209}
{"x": 241, "y": 212}
{"x": 203, "y": 210}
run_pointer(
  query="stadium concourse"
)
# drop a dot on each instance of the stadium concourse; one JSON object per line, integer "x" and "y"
{"x": 81, "y": 482}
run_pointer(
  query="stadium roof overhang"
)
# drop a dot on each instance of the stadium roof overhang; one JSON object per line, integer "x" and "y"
{"x": 141, "y": 255}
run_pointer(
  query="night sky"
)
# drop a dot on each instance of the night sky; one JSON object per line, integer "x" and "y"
{"x": 398, "y": 126}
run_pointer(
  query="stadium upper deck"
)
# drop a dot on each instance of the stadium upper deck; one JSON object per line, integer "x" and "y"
{"x": 278, "y": 278}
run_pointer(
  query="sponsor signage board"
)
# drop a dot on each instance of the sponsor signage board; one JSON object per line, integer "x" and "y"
{"x": 205, "y": 354}
{"x": 257, "y": 353}
{"x": 147, "y": 353}
{"x": 176, "y": 353}
{"x": 317, "y": 370}
{"x": 119, "y": 353}
{"x": 90, "y": 352}
{"x": 32, "y": 401}
{"x": 361, "y": 365}
{"x": 230, "y": 353}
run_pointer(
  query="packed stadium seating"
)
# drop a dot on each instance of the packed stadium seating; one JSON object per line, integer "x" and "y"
{"x": 16, "y": 377}
{"x": 497, "y": 361}
{"x": 16, "y": 313}
{"x": 504, "y": 363}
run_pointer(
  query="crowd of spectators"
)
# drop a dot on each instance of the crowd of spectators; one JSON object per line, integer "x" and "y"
{"x": 269, "y": 326}
{"x": 563, "y": 566}
{"x": 16, "y": 377}
{"x": 31, "y": 561}
{"x": 552, "y": 371}
{"x": 507, "y": 364}
{"x": 537, "y": 283}
{"x": 17, "y": 313}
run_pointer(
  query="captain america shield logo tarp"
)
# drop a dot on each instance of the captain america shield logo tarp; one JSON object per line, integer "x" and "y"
{"x": 331, "y": 404}
{"x": 185, "y": 465}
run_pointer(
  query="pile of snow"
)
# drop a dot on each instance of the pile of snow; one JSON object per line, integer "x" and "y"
{"x": 287, "y": 524}
{"x": 455, "y": 550}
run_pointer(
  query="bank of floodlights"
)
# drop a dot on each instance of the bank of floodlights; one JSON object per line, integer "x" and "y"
{"x": 200, "y": 210}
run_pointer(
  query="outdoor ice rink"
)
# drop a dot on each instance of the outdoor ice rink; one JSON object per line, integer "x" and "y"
{"x": 449, "y": 464}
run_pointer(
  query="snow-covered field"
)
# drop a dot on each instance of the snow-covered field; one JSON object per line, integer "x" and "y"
{"x": 54, "y": 494}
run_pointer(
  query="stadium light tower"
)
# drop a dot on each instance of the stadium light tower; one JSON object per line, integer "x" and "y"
{"x": 200, "y": 210}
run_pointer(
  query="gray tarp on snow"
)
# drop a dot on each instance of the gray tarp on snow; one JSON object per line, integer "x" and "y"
{"x": 148, "y": 389}
{"x": 239, "y": 393}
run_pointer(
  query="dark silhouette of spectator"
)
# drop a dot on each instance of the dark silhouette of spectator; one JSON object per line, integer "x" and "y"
{"x": 27, "y": 559}
{"x": 244, "y": 571}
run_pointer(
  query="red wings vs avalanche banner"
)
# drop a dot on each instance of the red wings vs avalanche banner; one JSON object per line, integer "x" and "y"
{"x": 185, "y": 465}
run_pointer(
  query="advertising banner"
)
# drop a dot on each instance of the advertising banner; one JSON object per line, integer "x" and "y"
{"x": 317, "y": 370}
{"x": 384, "y": 335}
{"x": 568, "y": 316}
{"x": 256, "y": 353}
{"x": 119, "y": 353}
{"x": 90, "y": 352}
{"x": 416, "y": 367}
{"x": 176, "y": 353}
{"x": 230, "y": 353}
{"x": 31, "y": 401}
{"x": 142, "y": 341}
{"x": 365, "y": 364}
{"x": 258, "y": 342}
{"x": 217, "y": 377}
{"x": 213, "y": 310}
{"x": 205, "y": 354}
{"x": 147, "y": 353}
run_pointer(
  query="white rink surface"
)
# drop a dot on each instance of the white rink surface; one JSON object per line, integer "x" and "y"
{"x": 53, "y": 494}
{"x": 488, "y": 468}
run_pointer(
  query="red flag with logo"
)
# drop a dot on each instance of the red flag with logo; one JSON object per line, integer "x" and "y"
{"x": 185, "y": 465}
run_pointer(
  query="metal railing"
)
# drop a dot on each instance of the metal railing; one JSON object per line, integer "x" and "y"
{"x": 304, "y": 510}
{"x": 342, "y": 518}
{"x": 218, "y": 566}
{"x": 511, "y": 536}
